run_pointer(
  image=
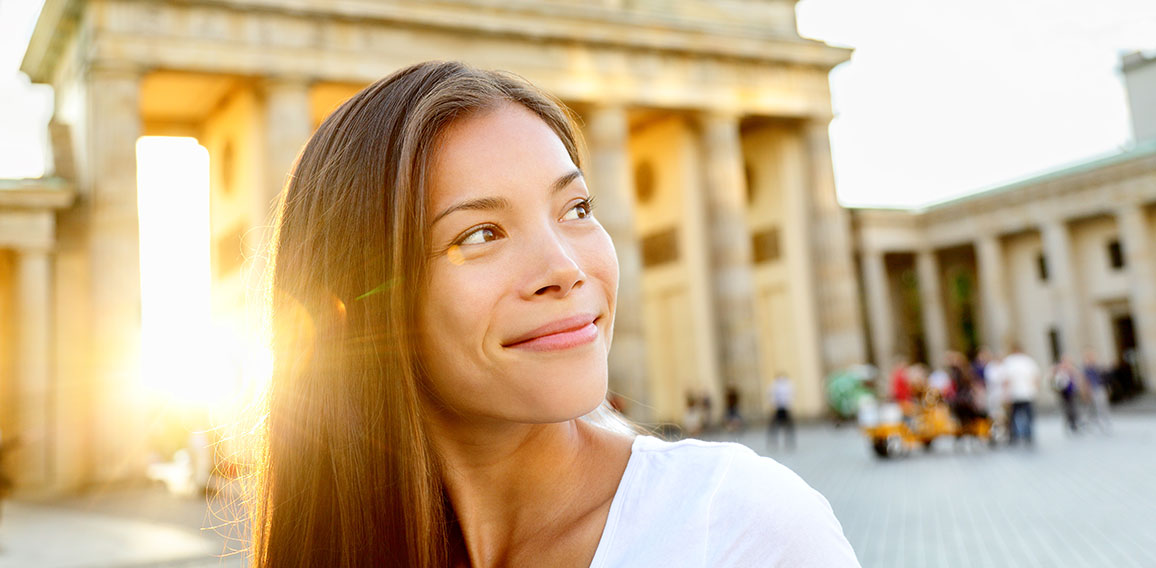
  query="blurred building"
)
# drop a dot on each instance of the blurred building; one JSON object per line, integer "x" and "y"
{"x": 708, "y": 151}
{"x": 1063, "y": 262}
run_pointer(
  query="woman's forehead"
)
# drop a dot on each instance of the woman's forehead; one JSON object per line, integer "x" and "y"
{"x": 505, "y": 147}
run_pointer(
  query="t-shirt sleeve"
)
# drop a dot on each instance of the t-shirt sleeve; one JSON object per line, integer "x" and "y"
{"x": 762, "y": 514}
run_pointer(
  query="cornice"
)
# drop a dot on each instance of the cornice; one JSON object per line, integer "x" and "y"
{"x": 55, "y": 26}
{"x": 587, "y": 23}
{"x": 38, "y": 193}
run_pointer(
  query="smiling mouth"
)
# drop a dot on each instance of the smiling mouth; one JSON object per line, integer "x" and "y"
{"x": 562, "y": 334}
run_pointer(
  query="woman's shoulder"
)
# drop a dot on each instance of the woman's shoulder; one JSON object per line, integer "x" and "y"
{"x": 756, "y": 511}
{"x": 731, "y": 471}
{"x": 740, "y": 467}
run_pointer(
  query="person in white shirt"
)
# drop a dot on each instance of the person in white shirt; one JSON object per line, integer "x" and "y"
{"x": 996, "y": 391}
{"x": 443, "y": 308}
{"x": 1021, "y": 375}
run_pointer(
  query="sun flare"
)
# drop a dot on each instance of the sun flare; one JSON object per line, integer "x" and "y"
{"x": 190, "y": 357}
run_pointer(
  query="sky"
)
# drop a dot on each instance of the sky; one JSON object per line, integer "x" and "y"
{"x": 941, "y": 98}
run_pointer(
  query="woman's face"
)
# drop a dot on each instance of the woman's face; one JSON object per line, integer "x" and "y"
{"x": 517, "y": 315}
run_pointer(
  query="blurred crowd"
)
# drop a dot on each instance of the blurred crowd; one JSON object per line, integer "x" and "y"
{"x": 1006, "y": 388}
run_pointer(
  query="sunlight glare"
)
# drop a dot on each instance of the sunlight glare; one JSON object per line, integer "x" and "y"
{"x": 183, "y": 359}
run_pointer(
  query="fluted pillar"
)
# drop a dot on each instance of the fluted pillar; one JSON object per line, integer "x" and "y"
{"x": 733, "y": 280}
{"x": 934, "y": 321}
{"x": 114, "y": 125}
{"x": 997, "y": 328}
{"x": 287, "y": 126}
{"x": 610, "y": 178}
{"x": 798, "y": 244}
{"x": 33, "y": 367}
{"x": 841, "y": 327}
{"x": 879, "y": 308}
{"x": 1058, "y": 256}
{"x": 1135, "y": 239}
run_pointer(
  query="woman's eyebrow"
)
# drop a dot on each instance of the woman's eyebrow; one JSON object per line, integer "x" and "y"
{"x": 481, "y": 203}
{"x": 484, "y": 203}
{"x": 565, "y": 180}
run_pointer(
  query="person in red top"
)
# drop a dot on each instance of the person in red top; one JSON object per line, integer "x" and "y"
{"x": 900, "y": 388}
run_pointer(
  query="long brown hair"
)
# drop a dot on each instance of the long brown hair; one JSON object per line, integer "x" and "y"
{"x": 348, "y": 476}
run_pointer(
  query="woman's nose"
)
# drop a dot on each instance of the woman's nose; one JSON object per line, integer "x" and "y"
{"x": 553, "y": 267}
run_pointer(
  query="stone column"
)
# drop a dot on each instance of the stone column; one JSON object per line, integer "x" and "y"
{"x": 837, "y": 294}
{"x": 114, "y": 124}
{"x": 1135, "y": 239}
{"x": 934, "y": 321}
{"x": 878, "y": 288}
{"x": 798, "y": 244}
{"x": 1058, "y": 256}
{"x": 610, "y": 178}
{"x": 283, "y": 127}
{"x": 33, "y": 372}
{"x": 286, "y": 126}
{"x": 997, "y": 327}
{"x": 731, "y": 256}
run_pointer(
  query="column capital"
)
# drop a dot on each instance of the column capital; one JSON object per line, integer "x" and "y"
{"x": 709, "y": 118}
{"x": 1129, "y": 209}
{"x": 606, "y": 125}
{"x": 292, "y": 80}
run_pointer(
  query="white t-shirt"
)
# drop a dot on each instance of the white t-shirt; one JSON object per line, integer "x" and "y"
{"x": 1022, "y": 376}
{"x": 781, "y": 393}
{"x": 707, "y": 504}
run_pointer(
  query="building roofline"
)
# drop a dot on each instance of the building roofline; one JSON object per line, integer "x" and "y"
{"x": 1142, "y": 150}
{"x": 673, "y": 34}
{"x": 41, "y": 55}
{"x": 1138, "y": 151}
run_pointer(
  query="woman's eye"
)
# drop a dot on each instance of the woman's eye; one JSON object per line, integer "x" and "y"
{"x": 479, "y": 236}
{"x": 580, "y": 210}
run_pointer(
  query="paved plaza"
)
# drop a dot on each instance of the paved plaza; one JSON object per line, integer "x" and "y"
{"x": 1085, "y": 501}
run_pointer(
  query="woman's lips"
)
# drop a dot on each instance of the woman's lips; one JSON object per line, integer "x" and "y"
{"x": 561, "y": 334}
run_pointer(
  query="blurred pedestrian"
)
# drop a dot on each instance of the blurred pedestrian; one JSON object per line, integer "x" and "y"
{"x": 1066, "y": 382}
{"x": 1096, "y": 377}
{"x": 781, "y": 393}
{"x": 979, "y": 365}
{"x": 966, "y": 390}
{"x": 997, "y": 392}
{"x": 917, "y": 380}
{"x": 940, "y": 383}
{"x": 734, "y": 419}
{"x": 693, "y": 420}
{"x": 1022, "y": 374}
{"x": 900, "y": 385}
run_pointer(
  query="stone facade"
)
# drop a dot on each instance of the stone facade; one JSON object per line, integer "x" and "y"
{"x": 707, "y": 131}
{"x": 1060, "y": 264}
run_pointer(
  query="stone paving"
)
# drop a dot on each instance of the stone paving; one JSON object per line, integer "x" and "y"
{"x": 1084, "y": 501}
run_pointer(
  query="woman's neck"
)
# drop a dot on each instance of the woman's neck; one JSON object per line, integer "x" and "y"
{"x": 518, "y": 488}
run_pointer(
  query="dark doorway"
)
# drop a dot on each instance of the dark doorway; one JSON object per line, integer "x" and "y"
{"x": 1126, "y": 380}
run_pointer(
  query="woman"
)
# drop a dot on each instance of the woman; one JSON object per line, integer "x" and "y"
{"x": 443, "y": 306}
